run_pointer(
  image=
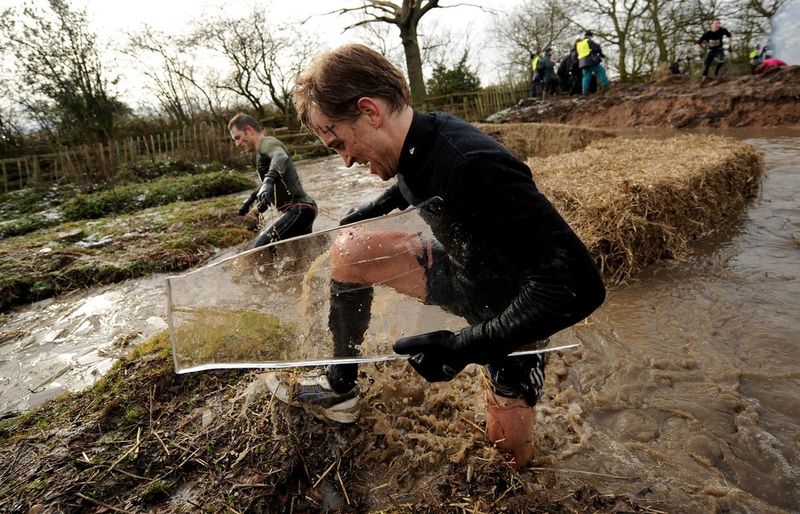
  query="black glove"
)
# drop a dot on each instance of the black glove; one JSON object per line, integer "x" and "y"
{"x": 364, "y": 211}
{"x": 248, "y": 204}
{"x": 266, "y": 194}
{"x": 437, "y": 356}
{"x": 388, "y": 201}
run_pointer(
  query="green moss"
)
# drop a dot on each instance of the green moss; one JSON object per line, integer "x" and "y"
{"x": 133, "y": 414}
{"x": 138, "y": 196}
{"x": 155, "y": 491}
{"x": 210, "y": 335}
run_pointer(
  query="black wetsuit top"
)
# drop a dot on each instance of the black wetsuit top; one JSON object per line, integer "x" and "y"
{"x": 500, "y": 230}
{"x": 714, "y": 38}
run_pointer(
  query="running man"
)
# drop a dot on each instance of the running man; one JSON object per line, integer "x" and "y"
{"x": 715, "y": 50}
{"x": 280, "y": 184}
{"x": 502, "y": 257}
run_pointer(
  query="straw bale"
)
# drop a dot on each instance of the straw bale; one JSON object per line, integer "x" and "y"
{"x": 636, "y": 201}
{"x": 526, "y": 140}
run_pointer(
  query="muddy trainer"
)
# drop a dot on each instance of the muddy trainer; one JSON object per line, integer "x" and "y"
{"x": 502, "y": 257}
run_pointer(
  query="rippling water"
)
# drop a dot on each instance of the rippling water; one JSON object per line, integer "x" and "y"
{"x": 690, "y": 379}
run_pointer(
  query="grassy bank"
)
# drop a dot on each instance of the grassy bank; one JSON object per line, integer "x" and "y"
{"x": 28, "y": 210}
{"x": 152, "y": 217}
{"x": 78, "y": 254}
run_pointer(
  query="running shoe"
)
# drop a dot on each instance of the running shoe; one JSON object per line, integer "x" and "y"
{"x": 313, "y": 392}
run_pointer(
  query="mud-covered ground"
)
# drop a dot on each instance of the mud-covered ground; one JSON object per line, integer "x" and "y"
{"x": 145, "y": 439}
{"x": 768, "y": 100}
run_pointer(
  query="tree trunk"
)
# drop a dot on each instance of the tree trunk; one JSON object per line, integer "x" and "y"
{"x": 413, "y": 61}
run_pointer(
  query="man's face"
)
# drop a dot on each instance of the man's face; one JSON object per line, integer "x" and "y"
{"x": 715, "y": 25}
{"x": 246, "y": 139}
{"x": 356, "y": 141}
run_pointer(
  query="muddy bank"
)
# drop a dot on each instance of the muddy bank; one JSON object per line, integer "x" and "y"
{"x": 145, "y": 439}
{"x": 768, "y": 100}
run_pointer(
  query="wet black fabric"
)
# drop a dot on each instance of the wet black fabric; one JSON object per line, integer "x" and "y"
{"x": 713, "y": 38}
{"x": 531, "y": 274}
{"x": 295, "y": 221}
{"x": 348, "y": 320}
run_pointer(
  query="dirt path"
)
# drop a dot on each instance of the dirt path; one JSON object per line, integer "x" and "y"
{"x": 768, "y": 100}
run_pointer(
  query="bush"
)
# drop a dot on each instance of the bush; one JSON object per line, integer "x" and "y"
{"x": 137, "y": 196}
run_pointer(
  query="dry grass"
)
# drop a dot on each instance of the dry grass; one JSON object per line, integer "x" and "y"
{"x": 634, "y": 202}
{"x": 527, "y": 140}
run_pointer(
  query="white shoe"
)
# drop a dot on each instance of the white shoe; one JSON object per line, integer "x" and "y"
{"x": 313, "y": 392}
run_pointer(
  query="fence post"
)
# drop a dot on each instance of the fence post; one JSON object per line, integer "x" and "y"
{"x": 5, "y": 177}
{"x": 37, "y": 174}
{"x": 103, "y": 167}
{"x": 118, "y": 152}
{"x": 152, "y": 148}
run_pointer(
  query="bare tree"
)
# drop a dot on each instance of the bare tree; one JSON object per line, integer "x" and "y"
{"x": 263, "y": 60}
{"x": 613, "y": 21}
{"x": 62, "y": 82}
{"x": 175, "y": 79}
{"x": 528, "y": 29}
{"x": 406, "y": 16}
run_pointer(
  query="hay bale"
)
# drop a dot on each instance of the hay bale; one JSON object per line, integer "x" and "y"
{"x": 526, "y": 140}
{"x": 634, "y": 202}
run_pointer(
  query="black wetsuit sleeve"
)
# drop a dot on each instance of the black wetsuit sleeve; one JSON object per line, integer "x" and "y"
{"x": 559, "y": 284}
{"x": 390, "y": 200}
{"x": 703, "y": 38}
{"x": 273, "y": 164}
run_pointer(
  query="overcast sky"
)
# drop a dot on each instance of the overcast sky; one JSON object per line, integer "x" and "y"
{"x": 112, "y": 19}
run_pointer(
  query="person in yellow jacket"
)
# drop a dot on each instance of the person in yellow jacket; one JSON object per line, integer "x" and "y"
{"x": 590, "y": 58}
{"x": 536, "y": 77}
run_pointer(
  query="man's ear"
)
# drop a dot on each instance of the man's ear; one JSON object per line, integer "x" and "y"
{"x": 374, "y": 110}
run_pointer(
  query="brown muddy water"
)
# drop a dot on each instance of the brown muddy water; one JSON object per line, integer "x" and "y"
{"x": 686, "y": 390}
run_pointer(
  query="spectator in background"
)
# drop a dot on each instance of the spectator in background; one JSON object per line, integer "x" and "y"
{"x": 536, "y": 78}
{"x": 547, "y": 72}
{"x": 590, "y": 58}
{"x": 769, "y": 63}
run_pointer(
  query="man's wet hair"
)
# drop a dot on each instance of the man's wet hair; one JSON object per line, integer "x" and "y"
{"x": 337, "y": 79}
{"x": 242, "y": 120}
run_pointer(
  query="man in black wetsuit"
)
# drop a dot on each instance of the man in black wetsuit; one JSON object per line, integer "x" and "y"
{"x": 715, "y": 50}
{"x": 280, "y": 184}
{"x": 502, "y": 257}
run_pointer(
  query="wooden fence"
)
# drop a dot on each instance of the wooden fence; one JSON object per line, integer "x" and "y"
{"x": 479, "y": 105}
{"x": 88, "y": 164}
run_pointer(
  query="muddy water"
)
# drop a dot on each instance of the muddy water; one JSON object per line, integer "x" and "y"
{"x": 66, "y": 344}
{"x": 686, "y": 391}
{"x": 689, "y": 379}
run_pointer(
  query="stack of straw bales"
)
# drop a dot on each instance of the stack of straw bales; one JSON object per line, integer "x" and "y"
{"x": 526, "y": 140}
{"x": 634, "y": 202}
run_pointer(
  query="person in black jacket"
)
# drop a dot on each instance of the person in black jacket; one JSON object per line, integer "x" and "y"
{"x": 501, "y": 257}
{"x": 715, "y": 50}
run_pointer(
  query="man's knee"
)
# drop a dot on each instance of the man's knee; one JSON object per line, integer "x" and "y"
{"x": 347, "y": 251}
